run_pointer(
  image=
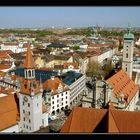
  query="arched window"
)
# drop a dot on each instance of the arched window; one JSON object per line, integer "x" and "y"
{"x": 53, "y": 113}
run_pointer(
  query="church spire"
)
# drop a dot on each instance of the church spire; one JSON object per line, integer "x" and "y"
{"x": 29, "y": 59}
{"x": 29, "y": 66}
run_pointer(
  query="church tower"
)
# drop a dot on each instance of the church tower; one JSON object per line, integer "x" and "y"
{"x": 128, "y": 52}
{"x": 30, "y": 98}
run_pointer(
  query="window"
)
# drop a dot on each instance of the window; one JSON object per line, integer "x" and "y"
{"x": 24, "y": 119}
{"x": 37, "y": 104}
{"x": 53, "y": 107}
{"x": 23, "y": 111}
{"x": 29, "y": 73}
{"x": 66, "y": 93}
{"x": 53, "y": 102}
{"x": 57, "y": 101}
{"x": 62, "y": 104}
{"x": 53, "y": 97}
{"x": 29, "y": 120}
{"x": 57, "y": 95}
{"x": 57, "y": 105}
{"x": 66, "y": 97}
{"x": 126, "y": 55}
{"x": 66, "y": 102}
{"x": 23, "y": 102}
{"x": 29, "y": 112}
{"x": 62, "y": 94}
{"x": 24, "y": 125}
{"x": 27, "y": 126}
{"x": 126, "y": 69}
{"x": 28, "y": 104}
{"x": 49, "y": 99}
{"x": 30, "y": 127}
{"x": 62, "y": 99}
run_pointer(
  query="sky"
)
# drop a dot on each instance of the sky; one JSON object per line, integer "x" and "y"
{"x": 32, "y": 17}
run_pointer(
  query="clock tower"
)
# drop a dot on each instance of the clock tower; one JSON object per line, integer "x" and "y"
{"x": 128, "y": 52}
{"x": 30, "y": 98}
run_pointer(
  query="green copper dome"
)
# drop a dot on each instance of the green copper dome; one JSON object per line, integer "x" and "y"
{"x": 128, "y": 35}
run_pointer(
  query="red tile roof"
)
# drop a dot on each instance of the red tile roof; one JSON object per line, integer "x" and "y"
{"x": 91, "y": 120}
{"x": 2, "y": 66}
{"x": 10, "y": 44}
{"x": 4, "y": 55}
{"x": 96, "y": 51}
{"x": 2, "y": 74}
{"x": 74, "y": 64}
{"x": 121, "y": 83}
{"x": 83, "y": 120}
{"x": 8, "y": 111}
{"x": 53, "y": 84}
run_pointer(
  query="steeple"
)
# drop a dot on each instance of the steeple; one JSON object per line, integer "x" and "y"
{"x": 29, "y": 66}
{"x": 29, "y": 60}
{"x": 128, "y": 52}
{"x": 129, "y": 35}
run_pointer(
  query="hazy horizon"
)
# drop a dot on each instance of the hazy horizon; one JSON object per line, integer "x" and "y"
{"x": 69, "y": 17}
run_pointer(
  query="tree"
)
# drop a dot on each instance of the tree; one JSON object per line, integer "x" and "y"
{"x": 93, "y": 68}
{"x": 107, "y": 69}
{"x": 75, "y": 47}
{"x": 120, "y": 47}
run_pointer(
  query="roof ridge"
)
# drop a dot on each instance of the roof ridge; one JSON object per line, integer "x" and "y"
{"x": 114, "y": 119}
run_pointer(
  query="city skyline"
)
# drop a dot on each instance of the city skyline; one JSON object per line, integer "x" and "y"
{"x": 37, "y": 17}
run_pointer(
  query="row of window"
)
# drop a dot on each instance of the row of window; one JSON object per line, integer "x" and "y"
{"x": 29, "y": 104}
{"x": 27, "y": 126}
{"x": 58, "y": 95}
{"x": 58, "y": 105}
{"x": 24, "y": 112}
{"x": 24, "y": 120}
{"x": 59, "y": 100}
{"x": 24, "y": 104}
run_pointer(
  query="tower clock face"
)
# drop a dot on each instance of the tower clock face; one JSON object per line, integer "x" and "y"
{"x": 25, "y": 99}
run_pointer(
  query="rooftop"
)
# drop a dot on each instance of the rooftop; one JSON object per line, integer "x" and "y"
{"x": 91, "y": 120}
{"x": 69, "y": 77}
